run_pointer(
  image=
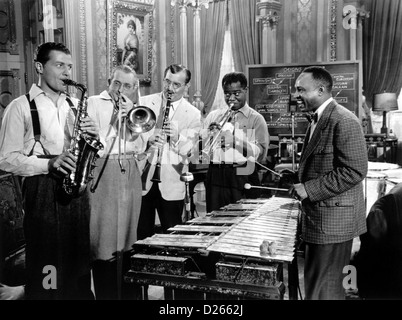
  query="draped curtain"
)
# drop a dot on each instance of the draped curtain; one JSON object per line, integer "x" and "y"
{"x": 212, "y": 38}
{"x": 245, "y": 33}
{"x": 382, "y": 54}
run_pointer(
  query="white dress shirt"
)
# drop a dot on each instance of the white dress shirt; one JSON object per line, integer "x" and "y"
{"x": 101, "y": 109}
{"x": 17, "y": 138}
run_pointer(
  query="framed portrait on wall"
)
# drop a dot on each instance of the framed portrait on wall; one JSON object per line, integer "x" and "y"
{"x": 130, "y": 36}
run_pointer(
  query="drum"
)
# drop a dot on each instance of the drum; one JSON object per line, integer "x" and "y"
{"x": 381, "y": 166}
{"x": 376, "y": 185}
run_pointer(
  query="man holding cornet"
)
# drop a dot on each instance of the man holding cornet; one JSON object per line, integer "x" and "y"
{"x": 116, "y": 187}
{"x": 235, "y": 139}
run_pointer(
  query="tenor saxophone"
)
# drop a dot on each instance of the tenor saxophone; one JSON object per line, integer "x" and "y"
{"x": 83, "y": 146}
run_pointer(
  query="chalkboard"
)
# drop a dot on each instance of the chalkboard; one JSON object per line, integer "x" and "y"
{"x": 271, "y": 88}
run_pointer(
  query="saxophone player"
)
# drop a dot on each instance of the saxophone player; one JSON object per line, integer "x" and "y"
{"x": 34, "y": 137}
{"x": 170, "y": 145}
{"x": 116, "y": 196}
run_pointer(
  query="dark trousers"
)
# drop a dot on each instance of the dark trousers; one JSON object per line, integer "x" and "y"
{"x": 223, "y": 186}
{"x": 56, "y": 230}
{"x": 169, "y": 212}
{"x": 108, "y": 277}
{"x": 323, "y": 270}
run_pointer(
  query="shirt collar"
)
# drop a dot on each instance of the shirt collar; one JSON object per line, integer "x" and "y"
{"x": 36, "y": 91}
{"x": 105, "y": 95}
{"x": 322, "y": 107}
{"x": 245, "y": 110}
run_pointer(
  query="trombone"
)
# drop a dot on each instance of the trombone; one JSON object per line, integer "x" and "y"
{"x": 139, "y": 119}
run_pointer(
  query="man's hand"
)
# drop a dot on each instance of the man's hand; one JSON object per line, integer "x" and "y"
{"x": 157, "y": 140}
{"x": 62, "y": 164}
{"x": 87, "y": 125}
{"x": 298, "y": 192}
{"x": 125, "y": 105}
{"x": 227, "y": 139}
{"x": 171, "y": 130}
{"x": 289, "y": 176}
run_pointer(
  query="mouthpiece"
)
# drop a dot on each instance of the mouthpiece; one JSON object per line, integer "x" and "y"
{"x": 70, "y": 82}
{"x": 247, "y": 186}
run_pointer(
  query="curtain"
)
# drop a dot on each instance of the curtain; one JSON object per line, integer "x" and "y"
{"x": 245, "y": 33}
{"x": 212, "y": 38}
{"x": 382, "y": 53}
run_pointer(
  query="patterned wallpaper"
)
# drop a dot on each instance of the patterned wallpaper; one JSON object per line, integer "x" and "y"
{"x": 101, "y": 46}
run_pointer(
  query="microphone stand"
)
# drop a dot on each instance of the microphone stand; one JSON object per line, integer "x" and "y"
{"x": 292, "y": 112}
{"x": 186, "y": 177}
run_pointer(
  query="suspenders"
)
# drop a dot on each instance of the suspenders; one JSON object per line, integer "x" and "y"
{"x": 36, "y": 124}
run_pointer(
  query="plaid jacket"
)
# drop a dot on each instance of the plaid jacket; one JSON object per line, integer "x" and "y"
{"x": 332, "y": 167}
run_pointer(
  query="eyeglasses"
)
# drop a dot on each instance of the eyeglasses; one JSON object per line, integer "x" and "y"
{"x": 235, "y": 93}
{"x": 175, "y": 85}
{"x": 126, "y": 86}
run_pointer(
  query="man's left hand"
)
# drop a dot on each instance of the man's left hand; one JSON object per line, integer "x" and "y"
{"x": 298, "y": 191}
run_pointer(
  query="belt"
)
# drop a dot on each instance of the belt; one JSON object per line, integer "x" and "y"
{"x": 128, "y": 155}
{"x": 223, "y": 164}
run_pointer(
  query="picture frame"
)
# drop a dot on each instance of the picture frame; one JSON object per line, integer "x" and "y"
{"x": 130, "y": 27}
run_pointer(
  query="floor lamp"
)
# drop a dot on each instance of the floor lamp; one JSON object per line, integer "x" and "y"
{"x": 385, "y": 102}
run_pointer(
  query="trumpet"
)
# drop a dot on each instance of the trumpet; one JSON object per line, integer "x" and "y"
{"x": 213, "y": 139}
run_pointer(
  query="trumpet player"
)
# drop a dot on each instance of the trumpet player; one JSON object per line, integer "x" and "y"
{"x": 116, "y": 187}
{"x": 34, "y": 145}
{"x": 241, "y": 137}
{"x": 167, "y": 146}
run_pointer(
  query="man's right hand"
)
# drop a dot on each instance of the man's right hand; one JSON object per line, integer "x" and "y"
{"x": 63, "y": 164}
{"x": 289, "y": 176}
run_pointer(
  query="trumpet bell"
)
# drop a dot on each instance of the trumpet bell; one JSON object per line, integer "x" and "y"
{"x": 141, "y": 119}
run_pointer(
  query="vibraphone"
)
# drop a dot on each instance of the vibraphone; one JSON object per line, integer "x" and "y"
{"x": 219, "y": 254}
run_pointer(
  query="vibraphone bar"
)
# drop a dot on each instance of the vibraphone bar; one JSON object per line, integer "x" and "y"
{"x": 219, "y": 255}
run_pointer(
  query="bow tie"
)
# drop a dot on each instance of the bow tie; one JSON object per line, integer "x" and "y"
{"x": 312, "y": 117}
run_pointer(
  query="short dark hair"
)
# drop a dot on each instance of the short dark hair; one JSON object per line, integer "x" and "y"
{"x": 176, "y": 68}
{"x": 321, "y": 76}
{"x": 43, "y": 51}
{"x": 132, "y": 23}
{"x": 233, "y": 77}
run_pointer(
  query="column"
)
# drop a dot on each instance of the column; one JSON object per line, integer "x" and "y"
{"x": 198, "y": 103}
{"x": 353, "y": 15}
{"x": 196, "y": 5}
{"x": 269, "y": 11}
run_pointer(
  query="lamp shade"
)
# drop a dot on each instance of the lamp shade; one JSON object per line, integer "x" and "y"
{"x": 385, "y": 102}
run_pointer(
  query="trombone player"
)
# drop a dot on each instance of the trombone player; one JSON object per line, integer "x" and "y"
{"x": 116, "y": 187}
{"x": 167, "y": 149}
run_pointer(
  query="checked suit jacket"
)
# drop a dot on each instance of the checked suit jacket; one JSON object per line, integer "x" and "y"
{"x": 332, "y": 166}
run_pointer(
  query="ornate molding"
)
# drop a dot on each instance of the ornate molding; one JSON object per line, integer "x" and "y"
{"x": 269, "y": 13}
{"x": 8, "y": 35}
{"x": 196, "y": 4}
{"x": 333, "y": 39}
{"x": 83, "y": 43}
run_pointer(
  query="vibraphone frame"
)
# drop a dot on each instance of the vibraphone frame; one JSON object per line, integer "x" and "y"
{"x": 201, "y": 281}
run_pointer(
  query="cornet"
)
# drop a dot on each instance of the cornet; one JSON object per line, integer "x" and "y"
{"x": 213, "y": 139}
